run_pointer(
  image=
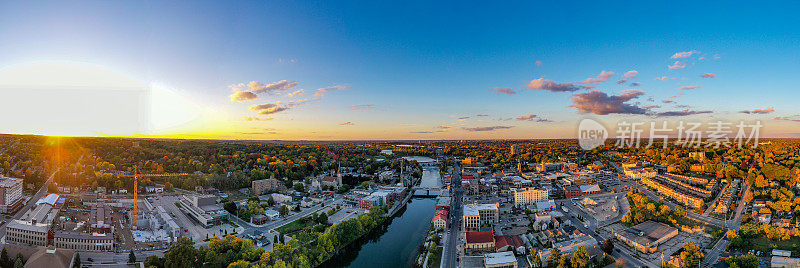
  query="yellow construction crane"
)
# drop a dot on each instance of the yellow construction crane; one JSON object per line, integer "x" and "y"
{"x": 136, "y": 177}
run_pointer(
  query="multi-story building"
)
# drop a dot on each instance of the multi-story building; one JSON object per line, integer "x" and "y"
{"x": 527, "y": 196}
{"x": 515, "y": 149}
{"x": 203, "y": 209}
{"x": 33, "y": 227}
{"x": 477, "y": 215}
{"x": 10, "y": 194}
{"x": 264, "y": 186}
{"x": 440, "y": 220}
{"x": 667, "y": 190}
{"x": 84, "y": 241}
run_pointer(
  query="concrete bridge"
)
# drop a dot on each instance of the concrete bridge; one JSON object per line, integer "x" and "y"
{"x": 426, "y": 191}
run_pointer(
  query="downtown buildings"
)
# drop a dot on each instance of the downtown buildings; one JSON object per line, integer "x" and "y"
{"x": 477, "y": 215}
{"x": 10, "y": 194}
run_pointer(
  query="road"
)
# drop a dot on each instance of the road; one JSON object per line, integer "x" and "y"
{"x": 450, "y": 253}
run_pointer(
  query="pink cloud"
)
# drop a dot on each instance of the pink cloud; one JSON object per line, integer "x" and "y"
{"x": 628, "y": 76}
{"x": 708, "y": 75}
{"x": 677, "y": 65}
{"x": 504, "y": 90}
{"x": 759, "y": 111}
{"x": 602, "y": 77}
{"x": 600, "y": 103}
{"x": 348, "y": 123}
{"x": 690, "y": 87}
{"x": 550, "y": 85}
{"x": 680, "y": 55}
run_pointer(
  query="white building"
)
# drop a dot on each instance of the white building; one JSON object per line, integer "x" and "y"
{"x": 477, "y": 215}
{"x": 10, "y": 194}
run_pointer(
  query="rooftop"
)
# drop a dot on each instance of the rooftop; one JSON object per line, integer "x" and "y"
{"x": 480, "y": 237}
{"x": 499, "y": 258}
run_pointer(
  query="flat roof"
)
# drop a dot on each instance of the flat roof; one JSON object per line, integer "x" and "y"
{"x": 499, "y": 258}
{"x": 472, "y": 209}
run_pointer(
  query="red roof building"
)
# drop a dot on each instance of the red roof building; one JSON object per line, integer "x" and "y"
{"x": 440, "y": 220}
{"x": 480, "y": 241}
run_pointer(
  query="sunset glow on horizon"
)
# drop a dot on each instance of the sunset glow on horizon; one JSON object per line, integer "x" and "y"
{"x": 339, "y": 71}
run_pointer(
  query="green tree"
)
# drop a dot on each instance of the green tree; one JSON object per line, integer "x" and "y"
{"x": 299, "y": 187}
{"x": 580, "y": 258}
{"x": 322, "y": 218}
{"x": 181, "y": 255}
{"x": 555, "y": 256}
{"x": 4, "y": 260}
{"x": 284, "y": 210}
{"x": 535, "y": 258}
{"x": 691, "y": 255}
{"x": 270, "y": 201}
{"x": 239, "y": 264}
{"x": 131, "y": 257}
{"x": 153, "y": 261}
{"x": 168, "y": 186}
{"x": 20, "y": 264}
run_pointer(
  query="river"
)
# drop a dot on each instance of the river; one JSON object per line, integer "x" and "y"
{"x": 395, "y": 243}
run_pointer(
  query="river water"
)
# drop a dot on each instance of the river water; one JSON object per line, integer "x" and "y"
{"x": 395, "y": 243}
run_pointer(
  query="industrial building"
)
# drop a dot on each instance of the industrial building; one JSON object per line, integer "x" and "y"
{"x": 646, "y": 236}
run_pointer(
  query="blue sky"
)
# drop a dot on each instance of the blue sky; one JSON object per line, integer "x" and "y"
{"x": 420, "y": 65}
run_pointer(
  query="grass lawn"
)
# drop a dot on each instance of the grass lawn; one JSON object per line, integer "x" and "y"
{"x": 295, "y": 226}
{"x": 436, "y": 260}
{"x": 766, "y": 245}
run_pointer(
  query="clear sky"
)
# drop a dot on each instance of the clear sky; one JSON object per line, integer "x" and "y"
{"x": 392, "y": 70}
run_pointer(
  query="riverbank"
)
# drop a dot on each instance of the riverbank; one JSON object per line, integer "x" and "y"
{"x": 391, "y": 244}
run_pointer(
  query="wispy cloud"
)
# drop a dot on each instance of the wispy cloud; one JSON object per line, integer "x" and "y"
{"x": 443, "y": 127}
{"x": 532, "y": 117}
{"x": 241, "y": 96}
{"x": 667, "y": 101}
{"x": 504, "y": 90}
{"x": 248, "y": 118}
{"x": 628, "y": 76}
{"x": 600, "y": 103}
{"x": 786, "y": 118}
{"x": 348, "y": 123}
{"x": 677, "y": 65}
{"x": 463, "y": 118}
{"x": 602, "y": 77}
{"x": 683, "y": 112}
{"x": 652, "y": 106}
{"x": 491, "y": 128}
{"x": 244, "y": 92}
{"x": 635, "y": 84}
{"x": 362, "y": 107}
{"x": 685, "y": 54}
{"x": 421, "y": 132}
{"x": 538, "y": 63}
{"x": 550, "y": 85}
{"x": 322, "y": 91}
{"x": 689, "y": 87}
{"x": 759, "y": 111}
{"x": 267, "y": 108}
{"x": 663, "y": 78}
{"x": 708, "y": 75}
